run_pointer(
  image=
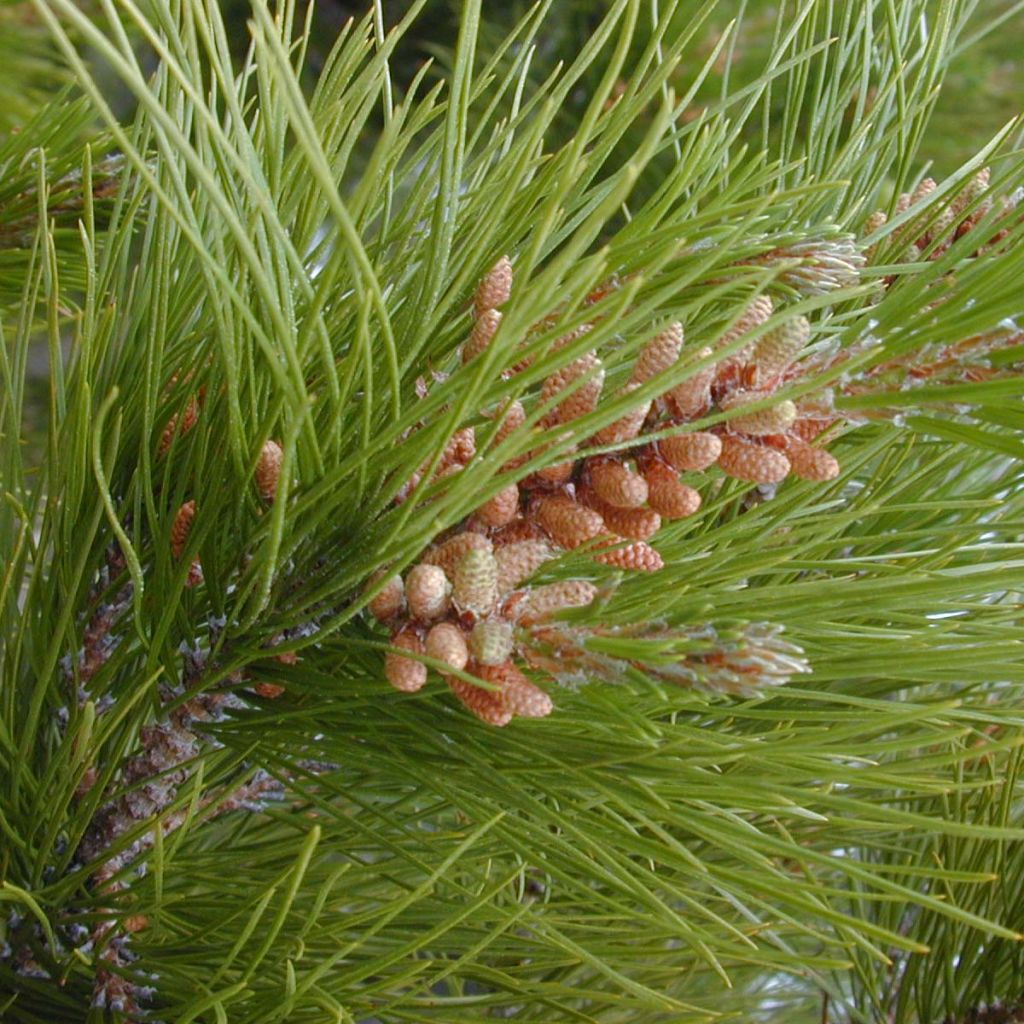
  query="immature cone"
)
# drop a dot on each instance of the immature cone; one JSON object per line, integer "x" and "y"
{"x": 568, "y": 523}
{"x": 634, "y": 523}
{"x": 446, "y": 642}
{"x": 810, "y": 463}
{"x": 480, "y": 338}
{"x": 659, "y": 354}
{"x": 570, "y": 336}
{"x": 925, "y": 187}
{"x": 494, "y": 288}
{"x": 638, "y": 556}
{"x": 911, "y": 254}
{"x": 502, "y": 508}
{"x": 181, "y": 527}
{"x": 877, "y": 220}
{"x": 388, "y": 602}
{"x": 970, "y": 193}
{"x": 268, "y": 469}
{"x": 760, "y": 309}
{"x": 940, "y": 226}
{"x": 756, "y": 313}
{"x": 694, "y": 451}
{"x": 447, "y": 473}
{"x": 179, "y": 425}
{"x": 689, "y": 398}
{"x": 448, "y": 553}
{"x": 519, "y": 695}
{"x": 773, "y": 419}
{"x": 584, "y": 397}
{"x": 775, "y": 351}
{"x": 405, "y": 674}
{"x": 617, "y": 485}
{"x": 475, "y": 587}
{"x": 540, "y": 603}
{"x": 669, "y": 496}
{"x": 628, "y": 426}
{"x": 426, "y": 592}
{"x": 490, "y": 643}
{"x": 487, "y": 705}
{"x": 752, "y": 462}
{"x": 410, "y": 485}
{"x": 519, "y": 561}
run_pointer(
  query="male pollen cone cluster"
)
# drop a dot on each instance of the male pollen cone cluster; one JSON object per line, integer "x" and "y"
{"x": 939, "y": 224}
{"x": 468, "y": 606}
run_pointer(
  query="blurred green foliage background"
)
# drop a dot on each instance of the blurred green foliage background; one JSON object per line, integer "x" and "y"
{"x": 985, "y": 87}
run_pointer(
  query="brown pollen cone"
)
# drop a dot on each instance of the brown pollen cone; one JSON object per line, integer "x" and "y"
{"x": 616, "y": 484}
{"x": 405, "y": 674}
{"x": 568, "y": 523}
{"x": 634, "y": 523}
{"x": 754, "y": 463}
{"x": 638, "y": 556}
{"x": 520, "y": 696}
{"x": 494, "y": 288}
{"x": 668, "y": 495}
{"x": 502, "y": 508}
{"x": 694, "y": 452}
{"x": 487, "y": 705}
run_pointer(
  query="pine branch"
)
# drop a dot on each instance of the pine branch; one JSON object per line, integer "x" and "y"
{"x": 286, "y": 386}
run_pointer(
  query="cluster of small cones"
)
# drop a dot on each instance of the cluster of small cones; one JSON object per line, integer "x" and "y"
{"x": 609, "y": 504}
{"x": 463, "y": 607}
{"x": 743, "y": 660}
{"x": 939, "y": 225}
{"x": 616, "y": 502}
{"x": 990, "y": 355}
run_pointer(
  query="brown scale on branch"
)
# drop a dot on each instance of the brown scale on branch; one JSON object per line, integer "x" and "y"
{"x": 470, "y": 602}
{"x": 99, "y": 639}
{"x": 995, "y": 1013}
{"x": 149, "y": 781}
